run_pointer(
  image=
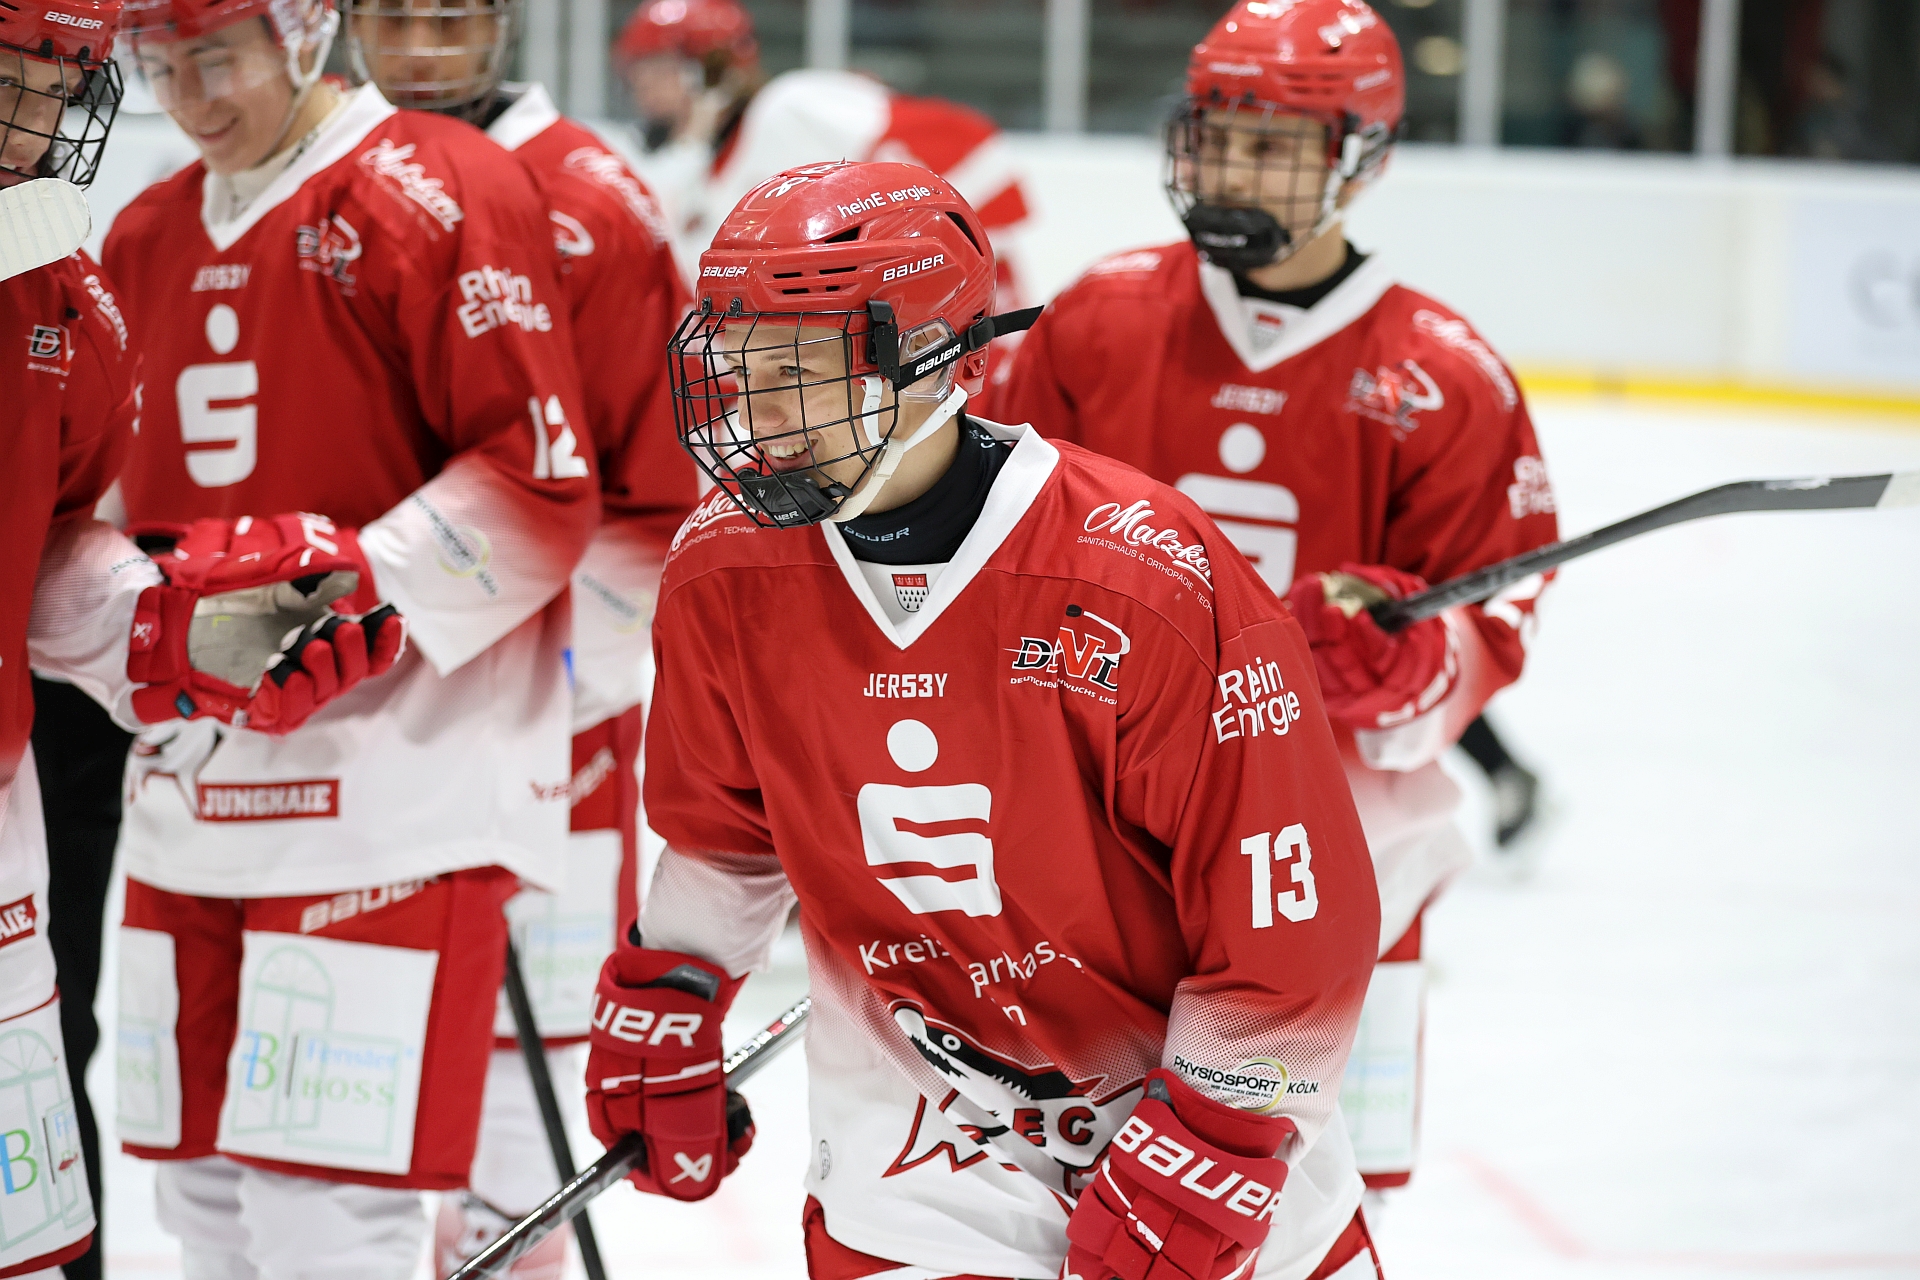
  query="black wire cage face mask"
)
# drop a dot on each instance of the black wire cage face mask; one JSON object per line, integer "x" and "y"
{"x": 472, "y": 40}
{"x": 773, "y": 468}
{"x": 69, "y": 117}
{"x": 1251, "y": 182}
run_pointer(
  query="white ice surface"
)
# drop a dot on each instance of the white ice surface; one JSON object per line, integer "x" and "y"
{"x": 1689, "y": 1044}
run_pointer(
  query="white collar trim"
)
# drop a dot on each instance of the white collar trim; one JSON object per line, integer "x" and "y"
{"x": 531, "y": 115}
{"x": 1020, "y": 480}
{"x": 363, "y": 112}
{"x": 1350, "y": 299}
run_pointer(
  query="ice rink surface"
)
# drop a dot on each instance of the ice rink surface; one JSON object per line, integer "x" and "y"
{"x": 1688, "y": 1043}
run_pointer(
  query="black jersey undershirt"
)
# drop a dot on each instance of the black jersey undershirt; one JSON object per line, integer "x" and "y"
{"x": 503, "y": 99}
{"x": 931, "y": 528}
{"x": 1305, "y": 296}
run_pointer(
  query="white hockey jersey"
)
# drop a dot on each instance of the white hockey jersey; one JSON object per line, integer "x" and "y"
{"x": 380, "y": 337}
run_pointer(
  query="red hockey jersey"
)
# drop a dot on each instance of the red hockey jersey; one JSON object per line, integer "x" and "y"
{"x": 68, "y": 586}
{"x": 1079, "y": 816}
{"x": 626, "y": 297}
{"x": 1375, "y": 427}
{"x": 380, "y": 337}
{"x": 69, "y": 373}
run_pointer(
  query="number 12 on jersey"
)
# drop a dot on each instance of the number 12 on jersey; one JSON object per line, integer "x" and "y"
{"x": 1266, "y": 849}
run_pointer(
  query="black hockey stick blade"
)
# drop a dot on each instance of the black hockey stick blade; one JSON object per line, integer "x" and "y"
{"x": 534, "y": 1051}
{"x": 566, "y": 1203}
{"x": 1815, "y": 493}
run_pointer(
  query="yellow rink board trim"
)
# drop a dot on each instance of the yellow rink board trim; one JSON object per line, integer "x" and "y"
{"x": 1550, "y": 381}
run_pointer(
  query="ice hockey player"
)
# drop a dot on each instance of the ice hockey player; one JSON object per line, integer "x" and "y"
{"x": 1086, "y": 906}
{"x": 1333, "y": 422}
{"x": 625, "y": 296}
{"x": 81, "y": 602}
{"x": 65, "y": 431}
{"x": 353, "y": 312}
{"x": 69, "y": 394}
{"x": 693, "y": 66}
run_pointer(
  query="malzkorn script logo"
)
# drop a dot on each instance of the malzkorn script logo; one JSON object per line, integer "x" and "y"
{"x": 1135, "y": 527}
{"x": 397, "y": 164}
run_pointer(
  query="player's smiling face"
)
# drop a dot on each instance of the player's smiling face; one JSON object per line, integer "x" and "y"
{"x": 228, "y": 91}
{"x": 423, "y": 52}
{"x": 33, "y": 98}
{"x": 799, "y": 403}
{"x": 1252, "y": 160}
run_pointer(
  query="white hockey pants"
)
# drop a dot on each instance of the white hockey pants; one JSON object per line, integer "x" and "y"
{"x": 240, "y": 1223}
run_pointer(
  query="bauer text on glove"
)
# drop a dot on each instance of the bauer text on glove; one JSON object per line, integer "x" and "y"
{"x": 655, "y": 1069}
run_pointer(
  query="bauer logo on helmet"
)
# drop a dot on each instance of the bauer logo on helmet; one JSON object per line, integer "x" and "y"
{"x": 906, "y": 269}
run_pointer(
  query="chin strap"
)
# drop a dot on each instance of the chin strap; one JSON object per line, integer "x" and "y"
{"x": 884, "y": 342}
{"x": 894, "y": 450}
{"x": 303, "y": 81}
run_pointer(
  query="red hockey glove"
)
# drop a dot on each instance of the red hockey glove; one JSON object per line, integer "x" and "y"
{"x": 654, "y": 1069}
{"x": 245, "y": 628}
{"x": 1187, "y": 1190}
{"x": 1370, "y": 679}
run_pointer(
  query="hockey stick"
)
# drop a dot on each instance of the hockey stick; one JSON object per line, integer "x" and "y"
{"x": 1815, "y": 493}
{"x": 40, "y": 222}
{"x": 623, "y": 1156}
{"x": 535, "y": 1052}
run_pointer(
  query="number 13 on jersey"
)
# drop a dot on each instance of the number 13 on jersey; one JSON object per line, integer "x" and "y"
{"x": 1263, "y": 851}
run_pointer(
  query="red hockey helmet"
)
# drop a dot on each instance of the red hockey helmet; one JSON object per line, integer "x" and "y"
{"x": 703, "y": 30}
{"x": 59, "y": 92}
{"x": 302, "y": 30}
{"x": 1266, "y": 68}
{"x": 860, "y": 278}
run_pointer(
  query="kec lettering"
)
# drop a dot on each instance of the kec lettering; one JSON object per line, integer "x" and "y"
{"x": 496, "y": 297}
{"x": 1254, "y": 700}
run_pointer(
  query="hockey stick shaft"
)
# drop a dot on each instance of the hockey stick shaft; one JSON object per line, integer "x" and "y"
{"x": 534, "y": 1050}
{"x": 1817, "y": 493}
{"x": 621, "y": 1158}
